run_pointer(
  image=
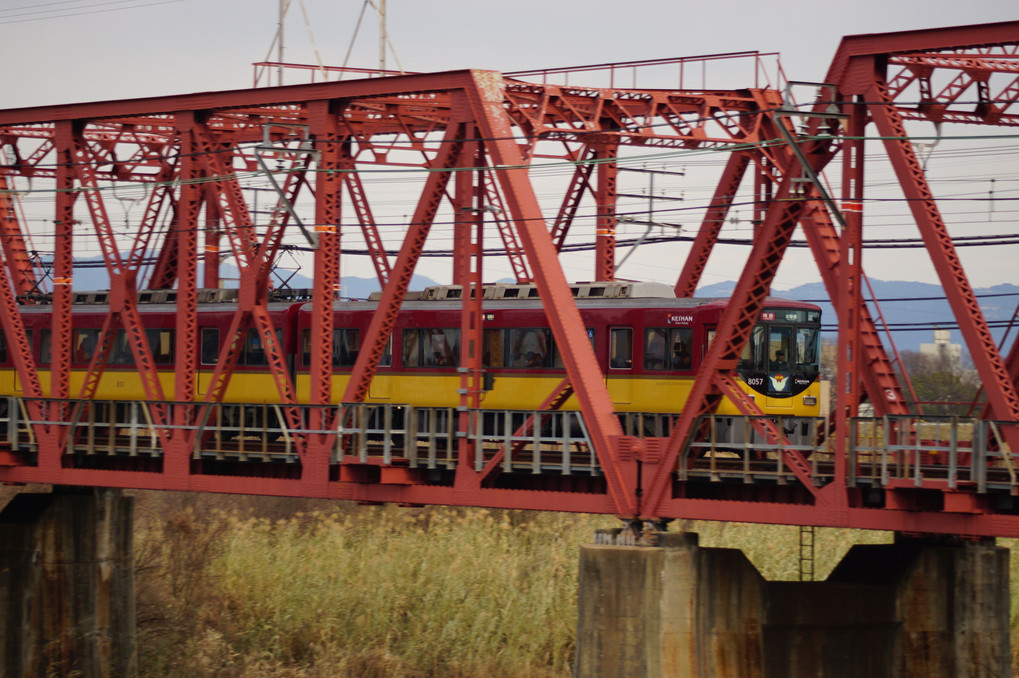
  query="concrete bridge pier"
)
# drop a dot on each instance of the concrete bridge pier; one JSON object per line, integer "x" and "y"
{"x": 918, "y": 608}
{"x": 67, "y": 585}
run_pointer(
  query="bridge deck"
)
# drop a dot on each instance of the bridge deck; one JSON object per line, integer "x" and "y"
{"x": 907, "y": 462}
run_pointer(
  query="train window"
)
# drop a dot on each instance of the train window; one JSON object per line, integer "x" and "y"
{"x": 432, "y": 347}
{"x": 655, "y": 341}
{"x": 529, "y": 347}
{"x": 254, "y": 351}
{"x": 441, "y": 348}
{"x": 411, "y": 351}
{"x": 4, "y": 357}
{"x": 667, "y": 348}
{"x": 807, "y": 343}
{"x": 779, "y": 347}
{"x": 44, "y": 346}
{"x": 254, "y": 348}
{"x": 83, "y": 345}
{"x": 621, "y": 347}
{"x": 492, "y": 348}
{"x": 161, "y": 344}
{"x": 210, "y": 345}
{"x": 754, "y": 351}
{"x": 680, "y": 348}
{"x": 120, "y": 352}
{"x": 346, "y": 347}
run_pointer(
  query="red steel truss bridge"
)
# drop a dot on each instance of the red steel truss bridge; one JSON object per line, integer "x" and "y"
{"x": 477, "y": 140}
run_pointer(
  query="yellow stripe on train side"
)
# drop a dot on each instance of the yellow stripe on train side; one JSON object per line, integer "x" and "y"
{"x": 511, "y": 392}
{"x": 526, "y": 392}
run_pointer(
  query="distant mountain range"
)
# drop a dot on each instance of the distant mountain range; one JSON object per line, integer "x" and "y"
{"x": 93, "y": 277}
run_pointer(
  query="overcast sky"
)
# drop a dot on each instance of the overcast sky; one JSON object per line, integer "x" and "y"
{"x": 90, "y": 50}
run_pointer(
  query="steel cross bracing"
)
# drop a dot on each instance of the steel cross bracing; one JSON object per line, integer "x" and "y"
{"x": 475, "y": 135}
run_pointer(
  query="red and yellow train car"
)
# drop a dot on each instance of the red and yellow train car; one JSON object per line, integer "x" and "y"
{"x": 648, "y": 344}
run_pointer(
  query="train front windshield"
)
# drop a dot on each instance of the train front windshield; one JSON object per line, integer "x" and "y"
{"x": 782, "y": 357}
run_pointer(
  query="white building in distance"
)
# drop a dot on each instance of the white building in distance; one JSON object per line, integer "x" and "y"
{"x": 942, "y": 351}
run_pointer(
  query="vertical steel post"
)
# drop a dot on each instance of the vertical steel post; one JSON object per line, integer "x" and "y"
{"x": 605, "y": 228}
{"x": 468, "y": 205}
{"x": 850, "y": 283}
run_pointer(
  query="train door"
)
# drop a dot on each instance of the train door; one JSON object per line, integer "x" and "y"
{"x": 381, "y": 387}
{"x": 208, "y": 357}
{"x": 619, "y": 378}
{"x": 781, "y": 356}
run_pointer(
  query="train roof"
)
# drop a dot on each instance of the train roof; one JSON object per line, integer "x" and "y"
{"x": 439, "y": 297}
{"x": 98, "y": 301}
{"x": 638, "y": 294}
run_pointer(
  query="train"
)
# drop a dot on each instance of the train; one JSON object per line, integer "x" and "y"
{"x": 648, "y": 344}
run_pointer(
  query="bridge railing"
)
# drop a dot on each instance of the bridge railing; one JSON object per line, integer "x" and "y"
{"x": 386, "y": 433}
{"x": 956, "y": 452}
{"x": 532, "y": 441}
{"x": 893, "y": 451}
{"x": 427, "y": 437}
{"x": 732, "y": 447}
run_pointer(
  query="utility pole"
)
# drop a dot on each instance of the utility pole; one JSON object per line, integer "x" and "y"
{"x": 279, "y": 45}
{"x": 382, "y": 37}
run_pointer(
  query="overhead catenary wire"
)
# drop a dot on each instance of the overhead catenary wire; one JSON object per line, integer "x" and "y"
{"x": 73, "y": 11}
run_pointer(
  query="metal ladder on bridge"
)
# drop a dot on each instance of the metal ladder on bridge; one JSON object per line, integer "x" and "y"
{"x": 806, "y": 553}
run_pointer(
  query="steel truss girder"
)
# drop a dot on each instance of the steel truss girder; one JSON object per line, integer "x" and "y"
{"x": 514, "y": 252}
{"x": 579, "y": 183}
{"x": 468, "y": 200}
{"x": 712, "y": 223}
{"x": 381, "y": 326}
{"x": 972, "y": 74}
{"x": 186, "y": 240}
{"x": 486, "y": 97}
{"x": 380, "y": 118}
{"x": 701, "y": 120}
{"x": 123, "y": 295}
{"x": 712, "y": 119}
{"x": 740, "y": 315}
{"x": 12, "y": 240}
{"x": 231, "y": 206}
{"x": 63, "y": 270}
{"x": 605, "y": 201}
{"x": 555, "y": 400}
{"x": 879, "y": 377}
{"x": 372, "y": 238}
{"x": 1001, "y": 393}
{"x": 331, "y": 159}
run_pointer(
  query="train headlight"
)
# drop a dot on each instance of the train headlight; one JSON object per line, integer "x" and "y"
{"x": 810, "y": 400}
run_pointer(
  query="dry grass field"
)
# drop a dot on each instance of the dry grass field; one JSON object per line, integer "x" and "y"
{"x": 261, "y": 588}
{"x": 281, "y": 588}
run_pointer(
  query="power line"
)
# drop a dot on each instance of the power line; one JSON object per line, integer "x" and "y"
{"x": 925, "y": 326}
{"x": 27, "y": 16}
{"x": 886, "y": 300}
{"x": 43, "y": 4}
